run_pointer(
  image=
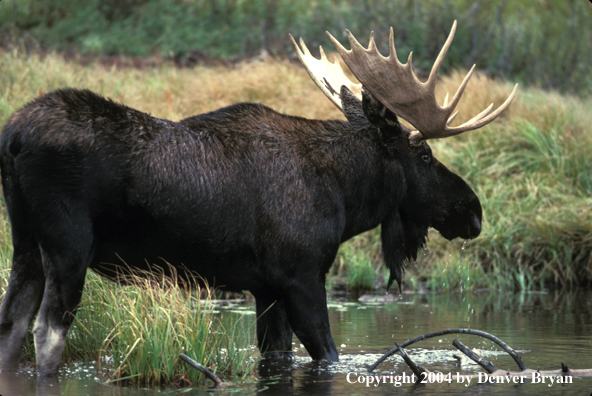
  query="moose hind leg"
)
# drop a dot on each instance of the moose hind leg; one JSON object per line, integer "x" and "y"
{"x": 274, "y": 334}
{"x": 66, "y": 255}
{"x": 62, "y": 294}
{"x": 21, "y": 301}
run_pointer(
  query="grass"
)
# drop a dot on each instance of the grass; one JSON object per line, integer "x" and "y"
{"x": 141, "y": 329}
{"x": 355, "y": 269}
{"x": 164, "y": 91}
{"x": 137, "y": 332}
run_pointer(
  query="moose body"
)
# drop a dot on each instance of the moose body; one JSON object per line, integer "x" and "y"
{"x": 248, "y": 198}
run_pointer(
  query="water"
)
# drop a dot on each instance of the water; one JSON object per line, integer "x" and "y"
{"x": 546, "y": 329}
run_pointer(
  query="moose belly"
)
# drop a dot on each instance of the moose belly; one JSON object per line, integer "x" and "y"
{"x": 157, "y": 252}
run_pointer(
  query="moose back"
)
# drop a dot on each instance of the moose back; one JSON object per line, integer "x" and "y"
{"x": 248, "y": 198}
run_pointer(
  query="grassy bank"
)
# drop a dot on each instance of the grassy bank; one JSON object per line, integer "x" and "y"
{"x": 543, "y": 42}
{"x": 137, "y": 333}
{"x": 530, "y": 168}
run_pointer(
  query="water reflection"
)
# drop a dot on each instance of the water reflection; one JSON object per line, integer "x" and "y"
{"x": 24, "y": 383}
{"x": 545, "y": 328}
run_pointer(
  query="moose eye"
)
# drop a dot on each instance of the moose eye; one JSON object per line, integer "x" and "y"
{"x": 425, "y": 157}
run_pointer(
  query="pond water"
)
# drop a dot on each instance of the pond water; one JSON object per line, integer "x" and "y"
{"x": 544, "y": 328}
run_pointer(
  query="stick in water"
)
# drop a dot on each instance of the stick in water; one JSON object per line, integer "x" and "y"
{"x": 203, "y": 369}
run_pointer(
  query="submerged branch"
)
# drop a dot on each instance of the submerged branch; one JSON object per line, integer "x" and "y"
{"x": 480, "y": 333}
{"x": 487, "y": 365}
{"x": 217, "y": 381}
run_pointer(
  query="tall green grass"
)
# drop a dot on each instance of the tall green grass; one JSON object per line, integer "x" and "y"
{"x": 135, "y": 333}
{"x": 138, "y": 332}
{"x": 355, "y": 269}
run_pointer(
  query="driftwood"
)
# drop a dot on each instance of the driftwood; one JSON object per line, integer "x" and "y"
{"x": 217, "y": 381}
{"x": 419, "y": 371}
{"x": 492, "y": 371}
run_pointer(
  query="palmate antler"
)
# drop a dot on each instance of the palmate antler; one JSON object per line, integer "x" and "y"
{"x": 395, "y": 85}
{"x": 329, "y": 76}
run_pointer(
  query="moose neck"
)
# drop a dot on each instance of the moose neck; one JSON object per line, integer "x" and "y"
{"x": 370, "y": 184}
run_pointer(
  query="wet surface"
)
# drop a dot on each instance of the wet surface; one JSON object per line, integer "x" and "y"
{"x": 544, "y": 328}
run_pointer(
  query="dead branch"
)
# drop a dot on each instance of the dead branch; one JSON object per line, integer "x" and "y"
{"x": 217, "y": 381}
{"x": 481, "y": 361}
{"x": 480, "y": 333}
{"x": 419, "y": 371}
{"x": 487, "y": 365}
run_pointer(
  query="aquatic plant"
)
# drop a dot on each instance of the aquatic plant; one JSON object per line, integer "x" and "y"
{"x": 138, "y": 331}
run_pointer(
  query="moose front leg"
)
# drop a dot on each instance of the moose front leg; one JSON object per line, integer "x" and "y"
{"x": 306, "y": 306}
{"x": 274, "y": 334}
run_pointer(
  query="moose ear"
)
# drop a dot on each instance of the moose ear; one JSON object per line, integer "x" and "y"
{"x": 377, "y": 113}
{"x": 352, "y": 109}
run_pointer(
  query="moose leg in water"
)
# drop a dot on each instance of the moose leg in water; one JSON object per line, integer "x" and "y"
{"x": 274, "y": 334}
{"x": 21, "y": 301}
{"x": 66, "y": 256}
{"x": 26, "y": 283}
{"x": 295, "y": 301}
{"x": 307, "y": 309}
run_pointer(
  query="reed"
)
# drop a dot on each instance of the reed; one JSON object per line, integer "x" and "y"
{"x": 138, "y": 331}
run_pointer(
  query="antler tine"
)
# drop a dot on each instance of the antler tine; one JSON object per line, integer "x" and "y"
{"x": 482, "y": 118}
{"x": 440, "y": 59}
{"x": 327, "y": 75}
{"x": 451, "y": 118}
{"x": 371, "y": 42}
{"x": 398, "y": 88}
{"x": 460, "y": 90}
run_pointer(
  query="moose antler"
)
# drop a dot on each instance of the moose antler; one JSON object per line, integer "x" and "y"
{"x": 329, "y": 76}
{"x": 397, "y": 87}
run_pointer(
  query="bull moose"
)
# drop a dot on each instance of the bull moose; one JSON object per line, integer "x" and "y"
{"x": 248, "y": 198}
